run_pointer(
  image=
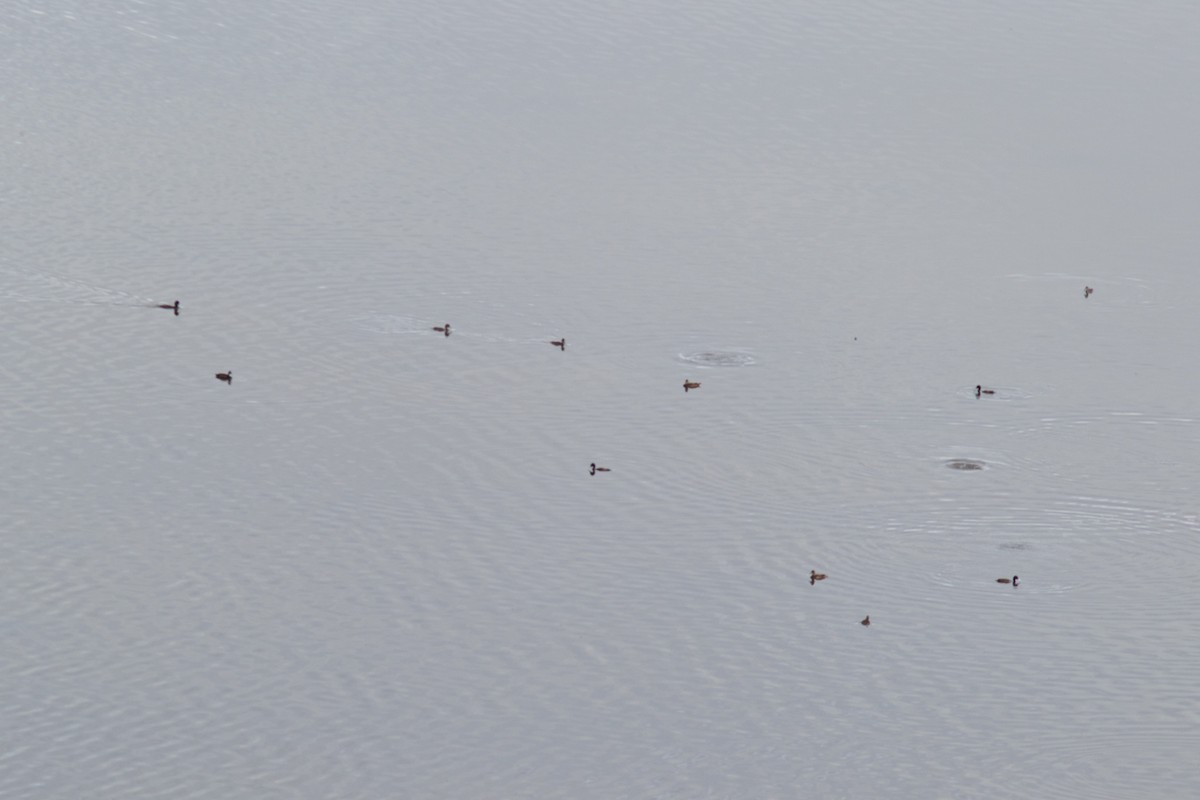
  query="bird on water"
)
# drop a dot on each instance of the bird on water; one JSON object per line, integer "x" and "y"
{"x": 1012, "y": 580}
{"x": 227, "y": 377}
{"x": 979, "y": 390}
{"x": 443, "y": 328}
{"x": 691, "y": 385}
{"x": 596, "y": 469}
{"x": 171, "y": 307}
{"x": 815, "y": 576}
{"x": 561, "y": 344}
{"x": 866, "y": 620}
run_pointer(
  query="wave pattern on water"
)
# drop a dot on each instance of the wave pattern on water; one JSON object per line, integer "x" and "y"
{"x": 377, "y": 564}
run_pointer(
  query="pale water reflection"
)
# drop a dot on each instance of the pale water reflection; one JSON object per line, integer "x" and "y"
{"x": 377, "y": 564}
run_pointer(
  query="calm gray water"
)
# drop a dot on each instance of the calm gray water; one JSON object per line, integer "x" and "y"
{"x": 376, "y": 565}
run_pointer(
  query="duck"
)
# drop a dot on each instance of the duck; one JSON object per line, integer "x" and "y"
{"x": 443, "y": 329}
{"x": 690, "y": 385}
{"x": 596, "y": 469}
{"x": 1012, "y": 580}
{"x": 171, "y": 307}
{"x": 1087, "y": 290}
{"x": 561, "y": 344}
{"x": 815, "y": 576}
{"x": 979, "y": 390}
{"x": 226, "y": 376}
{"x": 866, "y": 620}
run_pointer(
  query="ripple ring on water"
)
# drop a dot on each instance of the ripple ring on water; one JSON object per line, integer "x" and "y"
{"x": 718, "y": 358}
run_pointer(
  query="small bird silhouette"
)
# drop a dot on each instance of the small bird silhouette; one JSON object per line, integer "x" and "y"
{"x": 1012, "y": 580}
{"x": 980, "y": 390}
{"x": 815, "y": 576}
{"x": 443, "y": 329}
{"x": 866, "y": 620}
{"x": 596, "y": 469}
{"x": 690, "y": 385}
{"x": 171, "y": 307}
{"x": 561, "y": 344}
{"x": 1087, "y": 290}
{"x": 226, "y": 376}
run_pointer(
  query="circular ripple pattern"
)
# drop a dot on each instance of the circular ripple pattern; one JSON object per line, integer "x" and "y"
{"x": 718, "y": 358}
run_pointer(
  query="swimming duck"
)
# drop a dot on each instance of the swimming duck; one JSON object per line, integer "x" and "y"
{"x": 866, "y": 620}
{"x": 561, "y": 344}
{"x": 690, "y": 385}
{"x": 815, "y": 576}
{"x": 979, "y": 390}
{"x": 1012, "y": 580}
{"x": 226, "y": 376}
{"x": 443, "y": 329}
{"x": 171, "y": 307}
{"x": 1087, "y": 290}
{"x": 596, "y": 469}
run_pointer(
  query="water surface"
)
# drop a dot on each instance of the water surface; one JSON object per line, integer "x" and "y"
{"x": 376, "y": 565}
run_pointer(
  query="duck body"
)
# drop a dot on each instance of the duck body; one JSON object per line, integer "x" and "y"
{"x": 979, "y": 390}
{"x": 1012, "y": 580}
{"x": 687, "y": 385}
{"x": 866, "y": 620}
{"x": 596, "y": 469}
{"x": 445, "y": 329}
{"x": 561, "y": 344}
{"x": 171, "y": 307}
{"x": 815, "y": 576}
{"x": 1087, "y": 291}
{"x": 227, "y": 377}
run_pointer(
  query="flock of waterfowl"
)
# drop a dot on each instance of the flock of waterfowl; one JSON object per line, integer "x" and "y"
{"x": 815, "y": 576}
{"x": 688, "y": 385}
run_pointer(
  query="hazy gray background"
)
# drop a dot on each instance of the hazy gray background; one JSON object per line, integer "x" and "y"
{"x": 376, "y": 565}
